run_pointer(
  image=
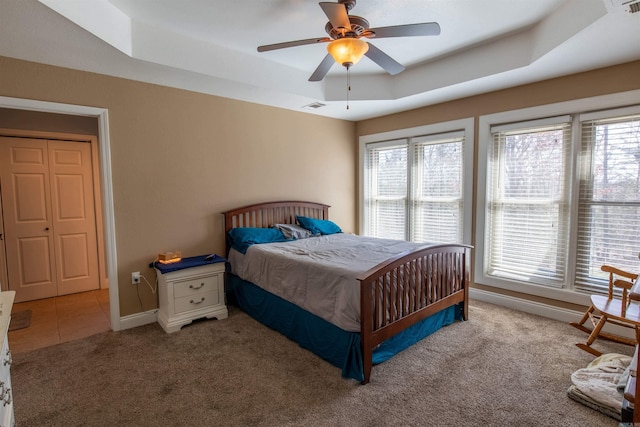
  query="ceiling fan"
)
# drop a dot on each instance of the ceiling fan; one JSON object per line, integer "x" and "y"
{"x": 345, "y": 44}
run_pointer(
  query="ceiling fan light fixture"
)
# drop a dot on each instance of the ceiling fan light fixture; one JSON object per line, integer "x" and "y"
{"x": 347, "y": 51}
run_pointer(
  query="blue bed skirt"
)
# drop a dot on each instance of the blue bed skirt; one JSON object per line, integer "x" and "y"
{"x": 335, "y": 345}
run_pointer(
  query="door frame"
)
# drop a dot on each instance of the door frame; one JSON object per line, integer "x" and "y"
{"x": 4, "y": 274}
{"x": 106, "y": 184}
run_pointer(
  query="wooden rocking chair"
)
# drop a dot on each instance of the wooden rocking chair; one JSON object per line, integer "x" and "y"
{"x": 618, "y": 311}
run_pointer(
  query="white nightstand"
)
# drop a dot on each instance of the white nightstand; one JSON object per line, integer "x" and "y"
{"x": 191, "y": 293}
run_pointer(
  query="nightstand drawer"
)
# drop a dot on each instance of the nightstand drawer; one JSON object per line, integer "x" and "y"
{"x": 196, "y": 301}
{"x": 193, "y": 286}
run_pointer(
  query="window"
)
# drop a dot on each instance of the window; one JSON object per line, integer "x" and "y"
{"x": 558, "y": 196}
{"x": 609, "y": 207}
{"x": 527, "y": 205}
{"x": 438, "y": 192}
{"x": 415, "y": 187}
{"x": 387, "y": 201}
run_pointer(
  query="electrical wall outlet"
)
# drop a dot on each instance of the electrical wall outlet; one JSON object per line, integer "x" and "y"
{"x": 135, "y": 278}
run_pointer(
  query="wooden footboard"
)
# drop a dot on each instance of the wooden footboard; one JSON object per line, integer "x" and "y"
{"x": 408, "y": 288}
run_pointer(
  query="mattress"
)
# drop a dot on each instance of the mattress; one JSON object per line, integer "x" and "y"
{"x": 318, "y": 274}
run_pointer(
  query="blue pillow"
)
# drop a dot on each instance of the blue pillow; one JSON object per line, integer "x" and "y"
{"x": 242, "y": 238}
{"x": 318, "y": 226}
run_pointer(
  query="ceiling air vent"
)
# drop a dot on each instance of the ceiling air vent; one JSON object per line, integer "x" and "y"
{"x": 316, "y": 105}
{"x": 629, "y": 6}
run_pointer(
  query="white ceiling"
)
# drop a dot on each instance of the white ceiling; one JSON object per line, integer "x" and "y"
{"x": 210, "y": 46}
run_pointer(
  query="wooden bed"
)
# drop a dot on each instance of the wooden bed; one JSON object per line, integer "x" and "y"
{"x": 394, "y": 295}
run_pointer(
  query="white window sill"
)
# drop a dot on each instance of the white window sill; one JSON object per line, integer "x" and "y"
{"x": 558, "y": 294}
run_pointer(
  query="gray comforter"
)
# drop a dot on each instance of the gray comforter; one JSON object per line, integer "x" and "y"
{"x": 319, "y": 273}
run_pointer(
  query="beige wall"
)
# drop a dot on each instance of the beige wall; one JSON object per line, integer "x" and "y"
{"x": 180, "y": 158}
{"x": 599, "y": 82}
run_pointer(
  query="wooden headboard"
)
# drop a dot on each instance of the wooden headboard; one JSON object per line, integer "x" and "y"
{"x": 264, "y": 215}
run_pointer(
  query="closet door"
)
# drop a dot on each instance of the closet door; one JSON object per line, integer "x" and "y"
{"x": 73, "y": 215}
{"x": 26, "y": 204}
{"x": 49, "y": 217}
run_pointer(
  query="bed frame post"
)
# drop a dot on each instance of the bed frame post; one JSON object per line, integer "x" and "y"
{"x": 366, "y": 324}
{"x": 467, "y": 283}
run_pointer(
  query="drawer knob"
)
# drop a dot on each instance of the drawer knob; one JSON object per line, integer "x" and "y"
{"x": 6, "y": 397}
{"x": 193, "y": 287}
{"x": 197, "y": 302}
{"x": 5, "y": 394}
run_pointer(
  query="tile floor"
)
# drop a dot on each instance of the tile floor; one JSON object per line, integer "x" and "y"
{"x": 60, "y": 319}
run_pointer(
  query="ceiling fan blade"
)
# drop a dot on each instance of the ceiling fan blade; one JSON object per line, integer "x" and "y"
{"x": 337, "y": 14}
{"x": 275, "y": 46}
{"x": 389, "y": 64}
{"x": 322, "y": 69}
{"x": 409, "y": 30}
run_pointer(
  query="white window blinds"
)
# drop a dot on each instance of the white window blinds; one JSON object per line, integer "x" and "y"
{"x": 609, "y": 207}
{"x": 437, "y": 197}
{"x": 414, "y": 188}
{"x": 386, "y": 195}
{"x": 527, "y": 201}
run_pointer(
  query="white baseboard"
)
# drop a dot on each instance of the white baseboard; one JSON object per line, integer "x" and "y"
{"x": 139, "y": 319}
{"x": 533, "y": 307}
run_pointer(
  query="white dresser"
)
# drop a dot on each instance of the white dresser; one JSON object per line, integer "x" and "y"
{"x": 189, "y": 294}
{"x": 6, "y": 391}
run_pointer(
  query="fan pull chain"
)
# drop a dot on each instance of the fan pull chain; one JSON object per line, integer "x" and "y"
{"x": 348, "y": 85}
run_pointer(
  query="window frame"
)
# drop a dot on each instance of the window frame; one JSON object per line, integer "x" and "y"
{"x": 577, "y": 108}
{"x": 465, "y": 125}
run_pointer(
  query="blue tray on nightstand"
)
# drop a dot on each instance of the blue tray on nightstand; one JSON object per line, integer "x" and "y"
{"x": 190, "y": 262}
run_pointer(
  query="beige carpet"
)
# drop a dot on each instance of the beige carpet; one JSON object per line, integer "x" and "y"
{"x": 500, "y": 368}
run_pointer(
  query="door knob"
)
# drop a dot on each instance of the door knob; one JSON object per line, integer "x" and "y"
{"x": 46, "y": 229}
